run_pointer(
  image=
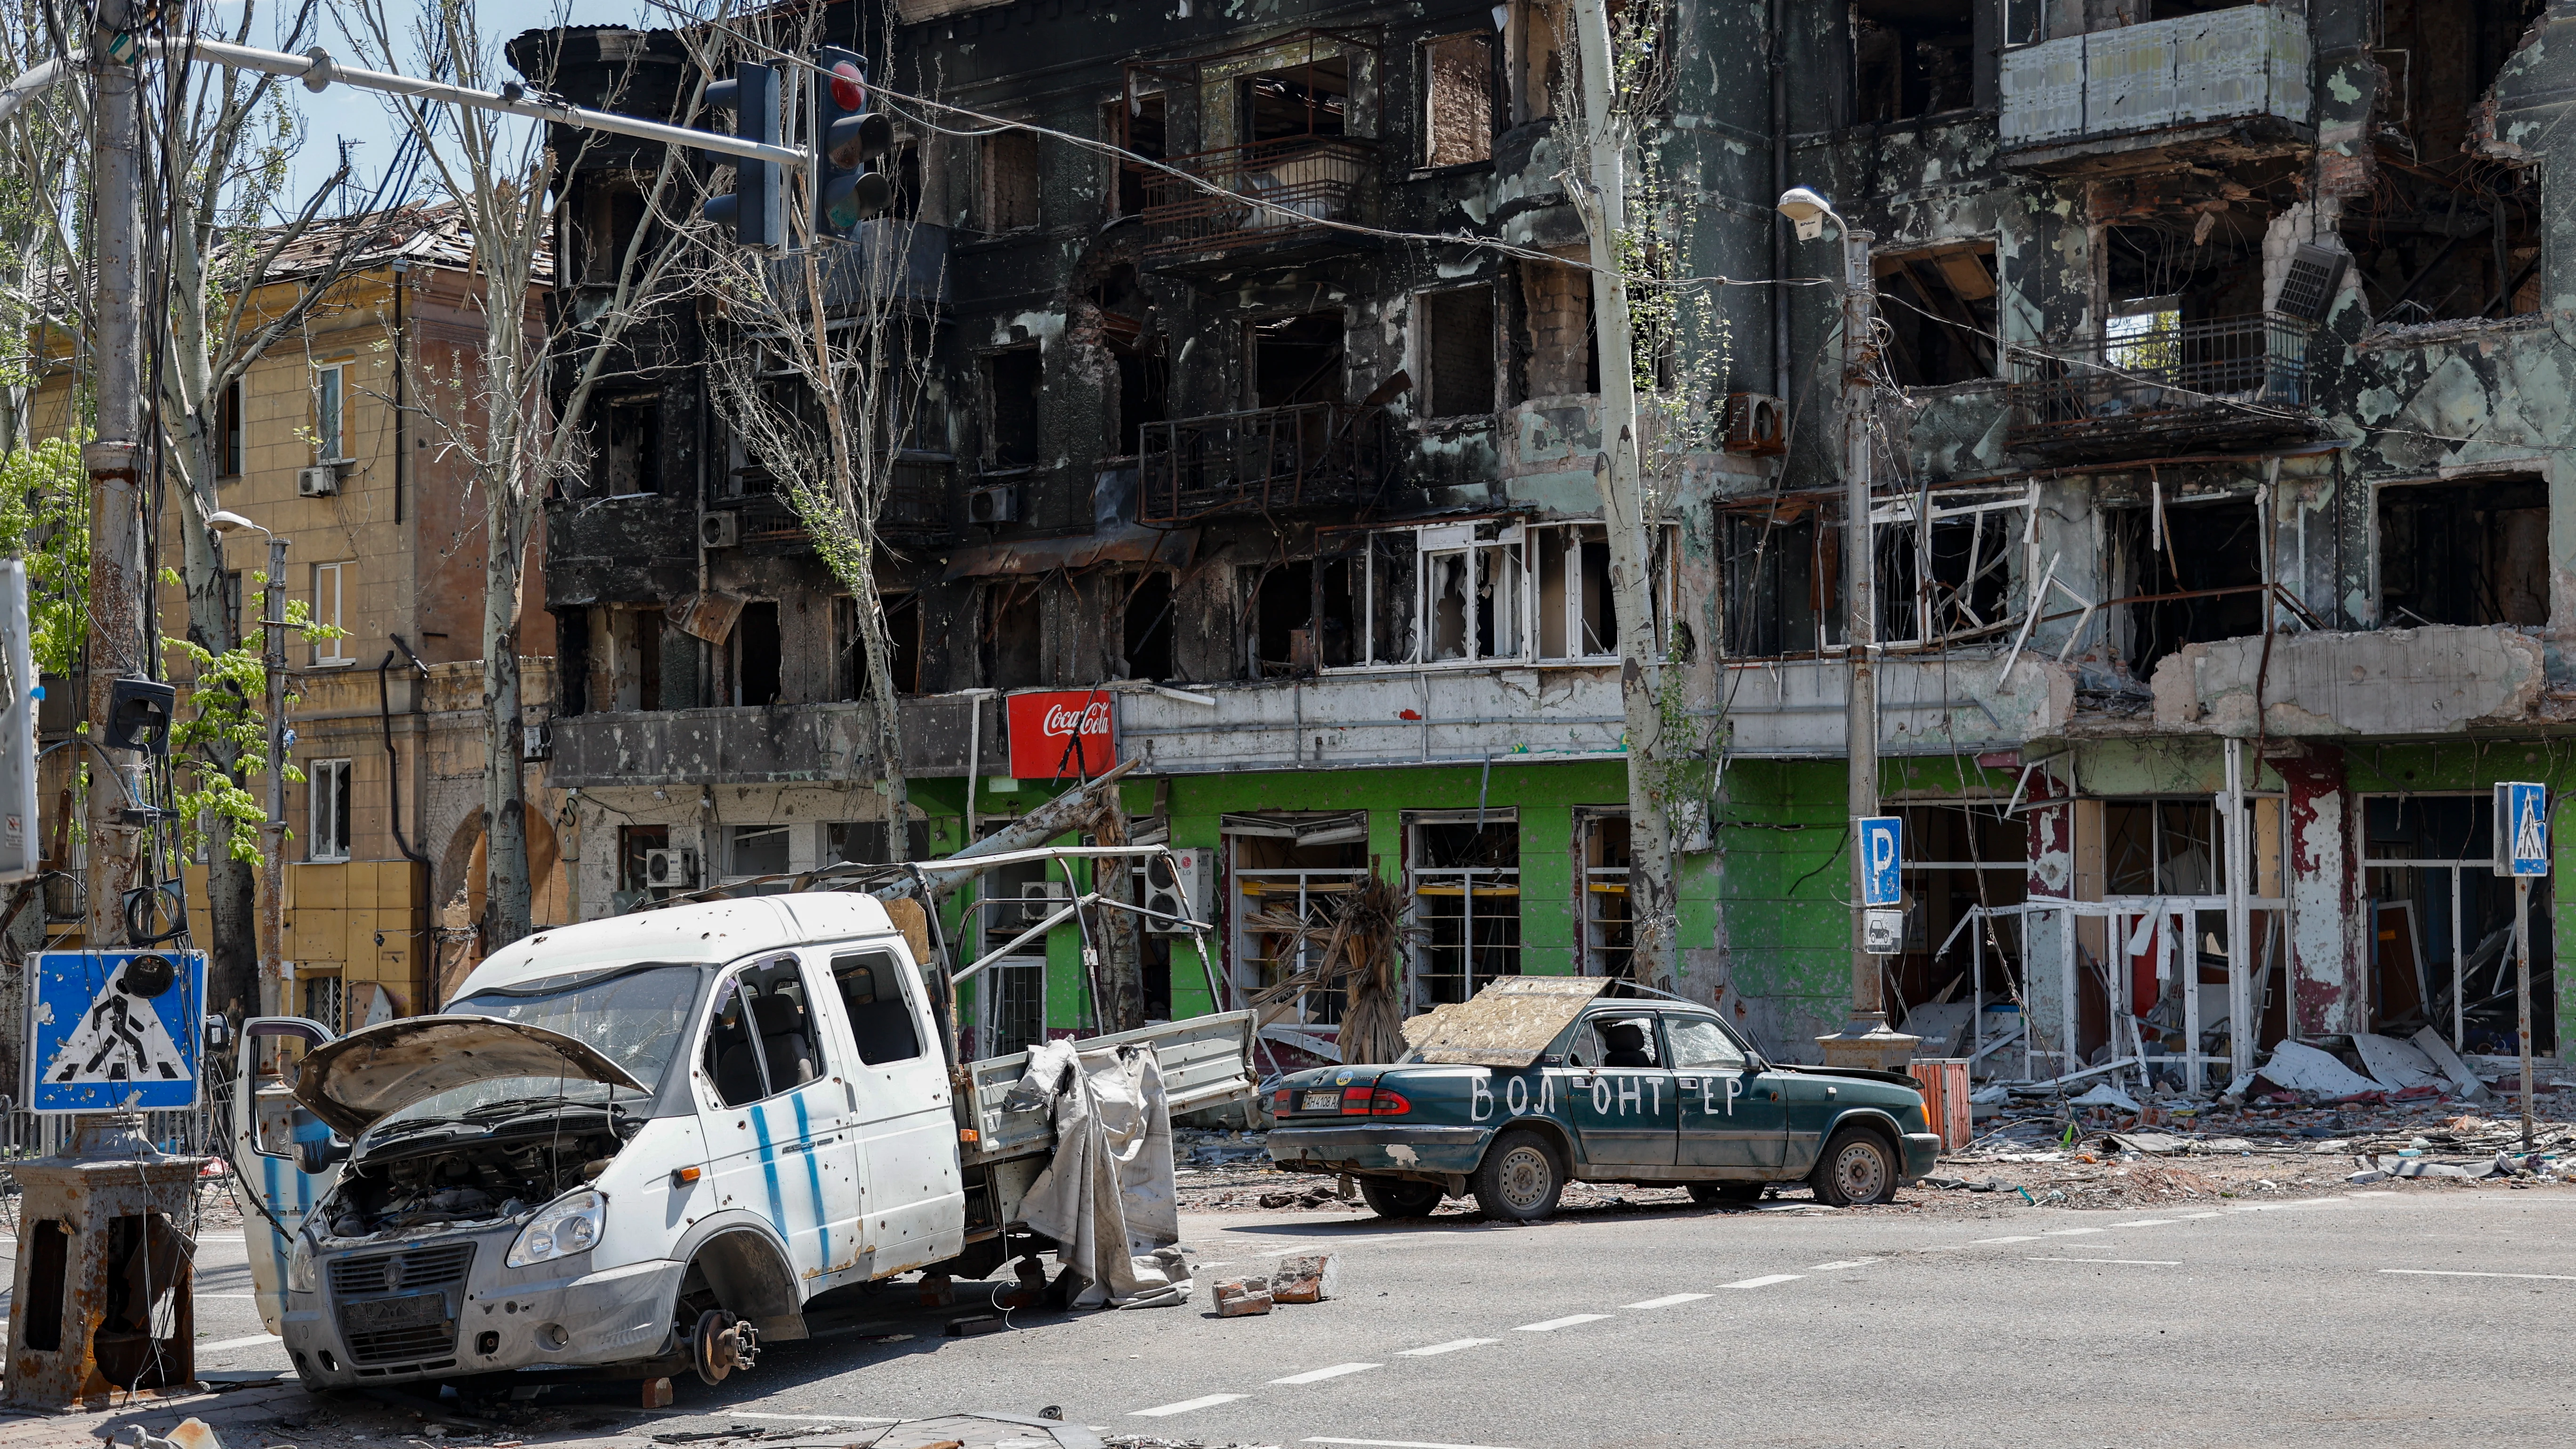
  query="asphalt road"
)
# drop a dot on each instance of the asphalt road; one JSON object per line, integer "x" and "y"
{"x": 2351, "y": 1319}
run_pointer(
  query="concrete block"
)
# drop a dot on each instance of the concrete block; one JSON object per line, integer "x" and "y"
{"x": 1242, "y": 1297}
{"x": 1310, "y": 1278}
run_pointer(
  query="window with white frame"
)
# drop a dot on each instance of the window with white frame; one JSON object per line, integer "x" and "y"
{"x": 326, "y": 787}
{"x": 1464, "y": 870}
{"x": 1484, "y": 591}
{"x": 1601, "y": 838}
{"x": 1290, "y": 874}
{"x": 1946, "y": 573}
{"x": 330, "y": 590}
{"x": 330, "y": 412}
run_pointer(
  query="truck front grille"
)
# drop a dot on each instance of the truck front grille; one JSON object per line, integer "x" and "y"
{"x": 373, "y": 1278}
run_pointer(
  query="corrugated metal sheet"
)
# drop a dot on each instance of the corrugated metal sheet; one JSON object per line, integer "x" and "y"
{"x": 1507, "y": 1024}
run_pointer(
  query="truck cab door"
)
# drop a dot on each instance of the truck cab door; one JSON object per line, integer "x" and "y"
{"x": 899, "y": 1105}
{"x": 273, "y": 1142}
{"x": 1732, "y": 1111}
{"x": 775, "y": 1119}
{"x": 1618, "y": 1092}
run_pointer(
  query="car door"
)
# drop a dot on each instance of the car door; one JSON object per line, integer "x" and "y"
{"x": 263, "y": 1149}
{"x": 1617, "y": 1095}
{"x": 1732, "y": 1114}
{"x": 899, "y": 1107}
{"x": 776, "y": 1118}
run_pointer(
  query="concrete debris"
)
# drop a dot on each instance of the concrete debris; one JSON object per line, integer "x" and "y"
{"x": 2394, "y": 1064}
{"x": 2463, "y": 1081}
{"x": 2151, "y": 1144}
{"x": 2106, "y": 1095}
{"x": 1310, "y": 1278}
{"x": 1242, "y": 1297}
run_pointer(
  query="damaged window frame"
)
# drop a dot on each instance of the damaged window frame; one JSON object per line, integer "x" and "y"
{"x": 1517, "y": 540}
{"x": 1923, "y": 513}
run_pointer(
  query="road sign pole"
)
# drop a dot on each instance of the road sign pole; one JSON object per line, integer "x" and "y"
{"x": 2522, "y": 992}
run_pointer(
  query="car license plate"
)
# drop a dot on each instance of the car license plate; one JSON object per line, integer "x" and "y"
{"x": 380, "y": 1315}
{"x": 1321, "y": 1102}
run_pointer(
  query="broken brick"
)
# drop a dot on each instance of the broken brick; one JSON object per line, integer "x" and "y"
{"x": 1242, "y": 1297}
{"x": 1310, "y": 1278}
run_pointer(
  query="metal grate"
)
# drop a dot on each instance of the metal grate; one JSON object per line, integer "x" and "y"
{"x": 2215, "y": 366}
{"x": 1262, "y": 461}
{"x": 2308, "y": 288}
{"x": 417, "y": 1272}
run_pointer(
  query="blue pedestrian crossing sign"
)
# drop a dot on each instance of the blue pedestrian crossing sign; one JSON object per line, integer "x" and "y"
{"x": 115, "y": 1031}
{"x": 1882, "y": 842}
{"x": 2522, "y": 828}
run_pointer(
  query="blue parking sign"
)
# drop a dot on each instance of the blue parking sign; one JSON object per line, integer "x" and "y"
{"x": 2522, "y": 823}
{"x": 114, "y": 1031}
{"x": 1882, "y": 849}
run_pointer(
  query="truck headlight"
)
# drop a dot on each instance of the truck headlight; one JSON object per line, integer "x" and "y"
{"x": 568, "y": 1225}
{"x": 299, "y": 1266}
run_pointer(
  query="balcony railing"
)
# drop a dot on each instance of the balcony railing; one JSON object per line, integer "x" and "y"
{"x": 1268, "y": 460}
{"x": 2233, "y": 373}
{"x": 2244, "y": 62}
{"x": 1300, "y": 183}
{"x": 917, "y": 502}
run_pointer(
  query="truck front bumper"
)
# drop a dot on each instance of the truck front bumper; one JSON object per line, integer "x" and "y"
{"x": 1444, "y": 1150}
{"x": 504, "y": 1319}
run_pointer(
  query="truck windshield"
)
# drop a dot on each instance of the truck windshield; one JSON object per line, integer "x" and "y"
{"x": 633, "y": 1016}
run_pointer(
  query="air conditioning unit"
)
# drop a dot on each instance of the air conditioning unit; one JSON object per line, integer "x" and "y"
{"x": 719, "y": 530}
{"x": 320, "y": 481}
{"x": 1041, "y": 899}
{"x": 1183, "y": 890}
{"x": 999, "y": 503}
{"x": 1756, "y": 422}
{"x": 671, "y": 869}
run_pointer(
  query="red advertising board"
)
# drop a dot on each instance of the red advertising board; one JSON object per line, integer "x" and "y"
{"x": 1043, "y": 733}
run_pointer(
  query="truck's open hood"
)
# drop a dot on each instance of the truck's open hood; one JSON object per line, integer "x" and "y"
{"x": 356, "y": 1080}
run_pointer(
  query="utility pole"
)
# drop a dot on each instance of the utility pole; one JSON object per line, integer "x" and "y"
{"x": 1865, "y": 1039}
{"x": 272, "y": 831}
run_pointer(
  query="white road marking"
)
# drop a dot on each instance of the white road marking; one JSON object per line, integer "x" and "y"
{"x": 2071, "y": 1232}
{"x": 1401, "y": 1444}
{"x": 1203, "y": 1401}
{"x": 2123, "y": 1262}
{"x": 1316, "y": 1376}
{"x": 1567, "y": 1321}
{"x": 2145, "y": 1223}
{"x": 252, "y": 1342}
{"x": 1669, "y": 1299}
{"x": 2194, "y": 1217}
{"x": 2383, "y": 1192}
{"x": 1765, "y": 1281}
{"x": 2024, "y": 1238}
{"x": 1310, "y": 1247}
{"x": 1846, "y": 1263}
{"x": 810, "y": 1418}
{"x": 2459, "y": 1273}
{"x": 1452, "y": 1346}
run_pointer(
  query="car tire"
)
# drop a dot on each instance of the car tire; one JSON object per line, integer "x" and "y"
{"x": 1857, "y": 1167}
{"x": 1521, "y": 1177}
{"x": 1393, "y": 1198}
{"x": 1727, "y": 1194}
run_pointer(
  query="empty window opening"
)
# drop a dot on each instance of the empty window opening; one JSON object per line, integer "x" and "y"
{"x": 1146, "y": 626}
{"x": 1910, "y": 58}
{"x": 1556, "y": 310}
{"x": 1540, "y": 49}
{"x": 1783, "y": 581}
{"x": 863, "y": 842}
{"x": 2441, "y": 925}
{"x": 1467, "y": 903}
{"x": 1458, "y": 99}
{"x": 1609, "y": 938}
{"x": 228, "y": 430}
{"x": 1288, "y": 629}
{"x": 2183, "y": 268}
{"x": 757, "y": 850}
{"x": 2464, "y": 553}
{"x": 611, "y": 213}
{"x": 2204, "y": 584}
{"x": 1014, "y": 635}
{"x": 1138, "y": 126}
{"x": 640, "y": 667}
{"x": 1939, "y": 305}
{"x": 1311, "y": 98}
{"x": 1577, "y": 616}
{"x": 630, "y": 446}
{"x": 903, "y": 633}
{"x": 1144, "y": 392}
{"x": 1958, "y": 857}
{"x": 1458, "y": 351}
{"x": 1472, "y": 596}
{"x": 757, "y": 647}
{"x": 1013, "y": 381}
{"x": 2440, "y": 58}
{"x": 1297, "y": 360}
{"x": 1291, "y": 871}
{"x": 1948, "y": 577}
{"x": 1009, "y": 193}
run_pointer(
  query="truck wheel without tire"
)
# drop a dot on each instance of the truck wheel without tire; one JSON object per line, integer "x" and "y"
{"x": 1858, "y": 1167}
{"x": 1520, "y": 1178}
{"x": 1734, "y": 1194}
{"x": 1389, "y": 1198}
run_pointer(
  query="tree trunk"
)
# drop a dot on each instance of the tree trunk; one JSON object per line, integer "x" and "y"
{"x": 1626, "y": 516}
{"x": 505, "y": 805}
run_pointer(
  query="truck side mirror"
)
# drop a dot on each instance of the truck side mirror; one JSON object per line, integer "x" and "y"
{"x": 320, "y": 1157}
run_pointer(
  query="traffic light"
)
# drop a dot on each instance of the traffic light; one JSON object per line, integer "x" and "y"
{"x": 847, "y": 137}
{"x": 753, "y": 209}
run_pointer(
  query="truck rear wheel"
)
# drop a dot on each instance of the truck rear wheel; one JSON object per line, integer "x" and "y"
{"x": 1521, "y": 1178}
{"x": 1391, "y": 1198}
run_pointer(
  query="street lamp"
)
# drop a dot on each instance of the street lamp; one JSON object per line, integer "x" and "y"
{"x": 1865, "y": 1040}
{"x": 272, "y": 882}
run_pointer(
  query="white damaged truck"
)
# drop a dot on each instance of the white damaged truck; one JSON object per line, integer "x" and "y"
{"x": 641, "y": 1146}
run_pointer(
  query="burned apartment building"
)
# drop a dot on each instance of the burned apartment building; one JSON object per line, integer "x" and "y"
{"x": 2218, "y": 421}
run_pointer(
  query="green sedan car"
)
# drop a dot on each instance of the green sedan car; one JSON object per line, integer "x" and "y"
{"x": 1538, "y": 1081}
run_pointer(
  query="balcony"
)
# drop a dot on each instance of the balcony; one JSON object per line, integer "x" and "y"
{"x": 1265, "y": 461}
{"x": 2220, "y": 85}
{"x": 2175, "y": 387}
{"x": 1294, "y": 187}
{"x": 2458, "y": 678}
{"x": 917, "y": 504}
{"x": 788, "y": 744}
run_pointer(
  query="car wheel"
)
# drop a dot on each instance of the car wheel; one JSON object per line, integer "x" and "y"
{"x": 1520, "y": 1179}
{"x": 1390, "y": 1198}
{"x": 1736, "y": 1194}
{"x": 1858, "y": 1167}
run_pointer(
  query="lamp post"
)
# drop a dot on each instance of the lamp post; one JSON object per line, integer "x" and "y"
{"x": 1865, "y": 1040}
{"x": 272, "y": 833}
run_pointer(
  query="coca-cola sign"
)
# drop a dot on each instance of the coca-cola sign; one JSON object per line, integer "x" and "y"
{"x": 1060, "y": 734}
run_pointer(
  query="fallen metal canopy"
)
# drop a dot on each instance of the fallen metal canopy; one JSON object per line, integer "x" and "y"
{"x": 1133, "y": 543}
{"x": 1507, "y": 1024}
{"x": 1338, "y": 829}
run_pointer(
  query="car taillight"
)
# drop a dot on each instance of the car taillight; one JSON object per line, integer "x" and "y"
{"x": 1279, "y": 1099}
{"x": 1374, "y": 1102}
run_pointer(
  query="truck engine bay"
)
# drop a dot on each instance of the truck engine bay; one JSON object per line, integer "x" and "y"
{"x": 433, "y": 1174}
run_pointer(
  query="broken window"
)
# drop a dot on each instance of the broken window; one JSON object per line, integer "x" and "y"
{"x": 2192, "y": 570}
{"x": 1473, "y": 605}
{"x": 1609, "y": 939}
{"x": 903, "y": 632}
{"x": 1008, "y": 197}
{"x": 1140, "y": 130}
{"x": 1146, "y": 625}
{"x": 757, "y": 648}
{"x": 1297, "y": 360}
{"x": 2441, "y": 924}
{"x": 1291, "y": 870}
{"x": 630, "y": 446}
{"x": 1311, "y": 98}
{"x": 1478, "y": 592}
{"x": 1289, "y": 629}
{"x": 1946, "y": 576}
{"x": 1458, "y": 99}
{"x": 863, "y": 842}
{"x": 1540, "y": 50}
{"x": 1014, "y": 635}
{"x": 1958, "y": 857}
{"x": 1782, "y": 579}
{"x": 1939, "y": 306}
{"x": 756, "y": 850}
{"x": 1457, "y": 351}
{"x": 2464, "y": 553}
{"x": 1013, "y": 381}
{"x": 1465, "y": 872}
{"x": 1910, "y": 58}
